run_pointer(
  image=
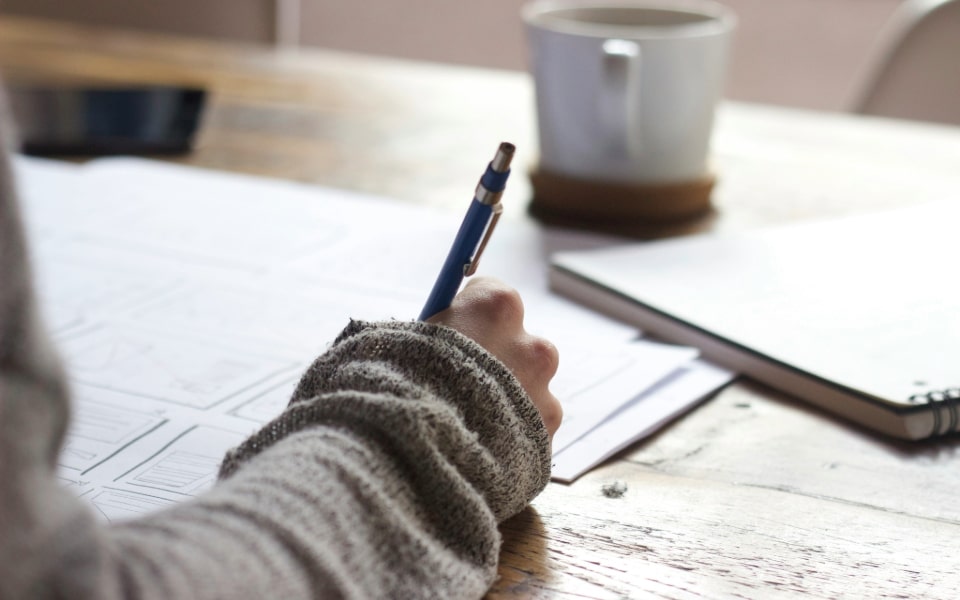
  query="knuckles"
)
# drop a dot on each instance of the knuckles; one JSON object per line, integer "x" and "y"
{"x": 551, "y": 411}
{"x": 502, "y": 304}
{"x": 543, "y": 356}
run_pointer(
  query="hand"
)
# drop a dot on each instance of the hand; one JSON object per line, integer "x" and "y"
{"x": 491, "y": 313}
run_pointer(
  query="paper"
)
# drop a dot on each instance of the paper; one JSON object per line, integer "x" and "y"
{"x": 602, "y": 381}
{"x": 648, "y": 412}
{"x": 187, "y": 303}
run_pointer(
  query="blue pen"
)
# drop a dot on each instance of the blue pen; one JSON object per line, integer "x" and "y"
{"x": 474, "y": 233}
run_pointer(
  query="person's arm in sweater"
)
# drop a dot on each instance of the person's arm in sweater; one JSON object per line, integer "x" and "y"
{"x": 404, "y": 446}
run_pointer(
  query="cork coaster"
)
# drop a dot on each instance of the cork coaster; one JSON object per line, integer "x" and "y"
{"x": 625, "y": 208}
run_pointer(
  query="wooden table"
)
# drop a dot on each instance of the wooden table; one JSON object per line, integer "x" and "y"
{"x": 753, "y": 494}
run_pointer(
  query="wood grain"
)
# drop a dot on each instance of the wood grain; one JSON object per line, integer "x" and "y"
{"x": 753, "y": 495}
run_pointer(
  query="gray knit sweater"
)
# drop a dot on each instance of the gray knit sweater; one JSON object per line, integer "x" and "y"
{"x": 402, "y": 449}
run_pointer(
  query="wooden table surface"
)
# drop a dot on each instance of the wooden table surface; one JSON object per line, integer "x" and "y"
{"x": 751, "y": 495}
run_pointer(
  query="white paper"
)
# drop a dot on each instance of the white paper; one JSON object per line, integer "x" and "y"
{"x": 641, "y": 417}
{"x": 187, "y": 304}
{"x": 603, "y": 381}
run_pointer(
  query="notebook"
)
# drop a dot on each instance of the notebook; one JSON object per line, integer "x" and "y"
{"x": 857, "y": 315}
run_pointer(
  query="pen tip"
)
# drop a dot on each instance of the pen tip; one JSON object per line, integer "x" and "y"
{"x": 501, "y": 161}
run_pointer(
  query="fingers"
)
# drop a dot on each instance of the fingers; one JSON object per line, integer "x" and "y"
{"x": 542, "y": 357}
{"x": 551, "y": 411}
{"x": 491, "y": 313}
{"x": 488, "y": 302}
{"x": 539, "y": 361}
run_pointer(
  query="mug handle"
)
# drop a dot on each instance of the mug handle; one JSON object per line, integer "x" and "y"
{"x": 619, "y": 97}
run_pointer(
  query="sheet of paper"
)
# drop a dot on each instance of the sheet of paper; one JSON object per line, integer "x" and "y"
{"x": 645, "y": 414}
{"x": 187, "y": 303}
{"x": 604, "y": 380}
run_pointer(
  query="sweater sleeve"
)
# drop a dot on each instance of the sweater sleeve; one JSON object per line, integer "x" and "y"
{"x": 404, "y": 446}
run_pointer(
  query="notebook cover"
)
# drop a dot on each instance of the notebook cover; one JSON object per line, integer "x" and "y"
{"x": 859, "y": 315}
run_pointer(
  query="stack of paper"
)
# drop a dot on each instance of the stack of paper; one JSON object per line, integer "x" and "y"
{"x": 187, "y": 303}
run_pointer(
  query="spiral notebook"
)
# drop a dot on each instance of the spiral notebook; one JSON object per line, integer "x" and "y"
{"x": 857, "y": 315}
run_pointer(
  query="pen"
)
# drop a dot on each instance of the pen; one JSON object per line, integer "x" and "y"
{"x": 474, "y": 233}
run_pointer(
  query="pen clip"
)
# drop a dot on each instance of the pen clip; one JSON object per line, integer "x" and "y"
{"x": 471, "y": 267}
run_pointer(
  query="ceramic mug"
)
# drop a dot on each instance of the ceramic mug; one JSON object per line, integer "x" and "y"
{"x": 626, "y": 91}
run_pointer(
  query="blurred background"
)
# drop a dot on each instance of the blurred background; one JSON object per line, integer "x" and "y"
{"x": 800, "y": 53}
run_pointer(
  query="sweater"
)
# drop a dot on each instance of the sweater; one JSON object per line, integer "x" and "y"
{"x": 403, "y": 447}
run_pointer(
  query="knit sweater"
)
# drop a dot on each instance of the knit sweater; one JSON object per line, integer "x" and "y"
{"x": 403, "y": 447}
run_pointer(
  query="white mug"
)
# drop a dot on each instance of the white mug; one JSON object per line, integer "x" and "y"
{"x": 626, "y": 91}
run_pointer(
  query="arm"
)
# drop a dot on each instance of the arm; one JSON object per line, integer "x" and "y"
{"x": 405, "y": 445}
{"x": 403, "y": 448}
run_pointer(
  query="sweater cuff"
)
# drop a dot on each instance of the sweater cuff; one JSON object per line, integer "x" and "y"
{"x": 430, "y": 393}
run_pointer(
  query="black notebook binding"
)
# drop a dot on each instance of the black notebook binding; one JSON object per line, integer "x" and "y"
{"x": 946, "y": 401}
